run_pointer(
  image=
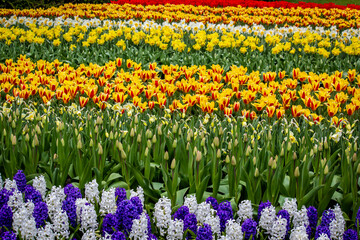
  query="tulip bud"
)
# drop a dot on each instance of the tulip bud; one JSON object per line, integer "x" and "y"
{"x": 17, "y": 112}
{"x": 269, "y": 136}
{"x": 188, "y": 138}
{"x": 159, "y": 130}
{"x": 326, "y": 145}
{"x": 112, "y": 123}
{"x": 297, "y": 172}
{"x": 311, "y": 153}
{"x": 62, "y": 142}
{"x": 323, "y": 162}
{"x": 315, "y": 149}
{"x": 294, "y": 156}
{"x": 289, "y": 146}
{"x": 358, "y": 169}
{"x": 326, "y": 170}
{"x": 9, "y": 119}
{"x": 13, "y": 140}
{"x": 26, "y": 129}
{"x": 55, "y": 156}
{"x": 320, "y": 147}
{"x": 236, "y": 142}
{"x": 173, "y": 164}
{"x": 136, "y": 120}
{"x": 166, "y": 156}
{"x": 221, "y": 131}
{"x": 13, "y": 124}
{"x": 254, "y": 161}
{"x": 111, "y": 135}
{"x": 148, "y": 144}
{"x": 195, "y": 151}
{"x": 73, "y": 123}
{"x": 132, "y": 132}
{"x": 355, "y": 147}
{"x": 76, "y": 132}
{"x": 123, "y": 154}
{"x": 96, "y": 130}
{"x": 304, "y": 158}
{"x": 139, "y": 138}
{"x": 218, "y": 153}
{"x": 233, "y": 161}
{"x": 37, "y": 129}
{"x": 354, "y": 157}
{"x": 230, "y": 145}
{"x": 187, "y": 146}
{"x": 4, "y": 132}
{"x": 99, "y": 120}
{"x": 256, "y": 172}
{"x": 174, "y": 129}
{"x": 216, "y": 141}
{"x": 91, "y": 144}
{"x": 248, "y": 151}
{"x": 270, "y": 162}
{"x": 198, "y": 156}
{"x": 245, "y": 137}
{"x": 282, "y": 152}
{"x": 227, "y": 159}
{"x": 35, "y": 141}
{"x": 100, "y": 149}
{"x": 79, "y": 144}
{"x": 146, "y": 152}
{"x": 27, "y": 137}
{"x": 154, "y": 139}
{"x": 274, "y": 164}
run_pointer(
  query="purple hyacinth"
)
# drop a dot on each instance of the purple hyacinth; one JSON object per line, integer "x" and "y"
{"x": 118, "y": 236}
{"x": 312, "y": 214}
{"x": 322, "y": 229}
{"x": 327, "y": 217}
{"x": 190, "y": 222}
{"x": 152, "y": 237}
{"x": 357, "y": 220}
{"x": 31, "y": 194}
{"x": 350, "y": 234}
{"x": 149, "y": 226}
{"x": 109, "y": 224}
{"x": 8, "y": 235}
{"x": 214, "y": 203}
{"x": 70, "y": 208}
{"x": 285, "y": 214}
{"x": 181, "y": 213}
{"x": 225, "y": 213}
{"x": 72, "y": 192}
{"x": 204, "y": 233}
{"x": 6, "y": 217}
{"x": 262, "y": 206}
{"x": 40, "y": 214}
{"x": 249, "y": 228}
{"x": 20, "y": 180}
{"x": 4, "y": 196}
{"x": 120, "y": 195}
{"x": 126, "y": 213}
{"x": 137, "y": 202}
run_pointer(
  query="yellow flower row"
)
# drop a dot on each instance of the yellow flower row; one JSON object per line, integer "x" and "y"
{"x": 179, "y": 40}
{"x": 181, "y": 88}
{"x": 347, "y": 18}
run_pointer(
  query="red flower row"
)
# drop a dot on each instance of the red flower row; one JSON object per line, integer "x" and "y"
{"x": 244, "y": 3}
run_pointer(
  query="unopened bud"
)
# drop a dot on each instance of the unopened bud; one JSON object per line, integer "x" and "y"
{"x": 13, "y": 124}
{"x": 111, "y": 135}
{"x": 99, "y": 120}
{"x": 245, "y": 137}
{"x": 136, "y": 120}
{"x": 315, "y": 149}
{"x": 233, "y": 161}
{"x": 159, "y": 130}
{"x": 311, "y": 153}
{"x": 173, "y": 164}
{"x": 132, "y": 132}
{"x": 138, "y": 138}
{"x": 269, "y": 136}
{"x": 112, "y": 123}
{"x": 166, "y": 156}
{"x": 355, "y": 147}
{"x": 304, "y": 158}
{"x": 326, "y": 170}
{"x": 174, "y": 129}
{"x": 230, "y": 145}
{"x": 254, "y": 161}
{"x": 62, "y": 142}
{"x": 256, "y": 172}
{"x": 123, "y": 154}
{"x": 294, "y": 156}
{"x": 4, "y": 132}
{"x": 79, "y": 144}
{"x": 55, "y": 156}
{"x": 100, "y": 149}
{"x": 187, "y": 146}
{"x": 248, "y": 151}
{"x": 35, "y": 141}
{"x": 227, "y": 159}
{"x": 354, "y": 158}
{"x": 289, "y": 146}
{"x": 216, "y": 141}
{"x": 221, "y": 131}
{"x": 218, "y": 153}
{"x": 282, "y": 152}
{"x": 274, "y": 165}
{"x": 236, "y": 142}
{"x": 13, "y": 140}
{"x": 146, "y": 152}
{"x": 270, "y": 163}
{"x": 91, "y": 144}
{"x": 37, "y": 129}
{"x": 27, "y": 137}
{"x": 358, "y": 169}
{"x": 96, "y": 130}
{"x": 154, "y": 139}
{"x": 320, "y": 147}
{"x": 326, "y": 145}
{"x": 148, "y": 144}
{"x": 297, "y": 172}
{"x": 198, "y": 156}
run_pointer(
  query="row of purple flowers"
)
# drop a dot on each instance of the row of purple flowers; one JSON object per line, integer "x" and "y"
{"x": 32, "y": 212}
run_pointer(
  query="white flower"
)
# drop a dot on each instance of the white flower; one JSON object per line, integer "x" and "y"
{"x": 245, "y": 211}
{"x": 278, "y": 230}
{"x": 9, "y": 184}
{"x": 108, "y": 203}
{"x": 233, "y": 230}
{"x": 299, "y": 233}
{"x": 214, "y": 222}
{"x": 139, "y": 193}
{"x": 175, "y": 230}
{"x": 337, "y": 225}
{"x": 267, "y": 219}
{"x": 139, "y": 230}
{"x": 15, "y": 200}
{"x": 191, "y": 203}
{"x": 92, "y": 191}
{"x": 54, "y": 201}
{"x": 89, "y": 235}
{"x": 46, "y": 233}
{"x": 162, "y": 214}
{"x": 290, "y": 205}
{"x": 323, "y": 236}
{"x": 61, "y": 224}
{"x": 40, "y": 185}
{"x": 24, "y": 222}
{"x": 301, "y": 218}
{"x": 202, "y": 211}
{"x": 86, "y": 215}
{"x": 1, "y": 182}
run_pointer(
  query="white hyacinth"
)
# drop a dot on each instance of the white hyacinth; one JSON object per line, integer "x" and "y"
{"x": 245, "y": 211}
{"x": 323, "y": 236}
{"x": 337, "y": 225}
{"x": 39, "y": 184}
{"x": 24, "y": 222}
{"x": 267, "y": 219}
{"x": 89, "y": 235}
{"x": 290, "y": 205}
{"x": 15, "y": 200}
{"x": 162, "y": 214}
{"x": 299, "y": 233}
{"x": 86, "y": 215}
{"x": 301, "y": 218}
{"x": 278, "y": 230}
{"x": 1, "y": 182}
{"x": 10, "y": 184}
{"x": 92, "y": 191}
{"x": 108, "y": 202}
{"x": 175, "y": 230}
{"x": 139, "y": 193}
{"x": 213, "y": 221}
{"x": 54, "y": 201}
{"x": 61, "y": 225}
{"x": 202, "y": 211}
{"x": 46, "y": 233}
{"x": 191, "y": 203}
{"x": 233, "y": 230}
{"x": 139, "y": 230}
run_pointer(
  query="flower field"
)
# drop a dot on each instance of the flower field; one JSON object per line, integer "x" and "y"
{"x": 231, "y": 122}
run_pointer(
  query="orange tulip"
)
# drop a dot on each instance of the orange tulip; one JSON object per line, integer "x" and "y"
{"x": 236, "y": 106}
{"x": 280, "y": 112}
{"x": 296, "y": 111}
{"x": 83, "y": 101}
{"x": 245, "y": 113}
{"x": 151, "y": 104}
{"x": 282, "y": 74}
{"x": 270, "y": 111}
{"x": 118, "y": 62}
{"x": 66, "y": 98}
{"x": 350, "y": 109}
{"x": 228, "y": 111}
{"x": 252, "y": 115}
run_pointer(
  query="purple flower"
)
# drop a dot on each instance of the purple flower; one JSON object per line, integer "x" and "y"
{"x": 190, "y": 222}
{"x": 72, "y": 192}
{"x": 204, "y": 233}
{"x": 225, "y": 213}
{"x": 5, "y": 217}
{"x": 137, "y": 202}
{"x": 327, "y": 217}
{"x": 213, "y": 202}
{"x": 120, "y": 195}
{"x": 118, "y": 236}
{"x": 249, "y": 228}
{"x": 40, "y": 214}
{"x": 20, "y": 180}
{"x": 313, "y": 217}
{"x": 110, "y": 223}
{"x": 126, "y": 212}
{"x": 284, "y": 214}
{"x": 322, "y": 229}
{"x": 357, "y": 219}
{"x": 8, "y": 235}
{"x": 262, "y": 206}
{"x": 152, "y": 237}
{"x": 31, "y": 194}
{"x": 350, "y": 234}
{"x": 181, "y": 213}
{"x": 4, "y": 196}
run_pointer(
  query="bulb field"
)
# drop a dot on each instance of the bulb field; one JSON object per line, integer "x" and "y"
{"x": 180, "y": 120}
